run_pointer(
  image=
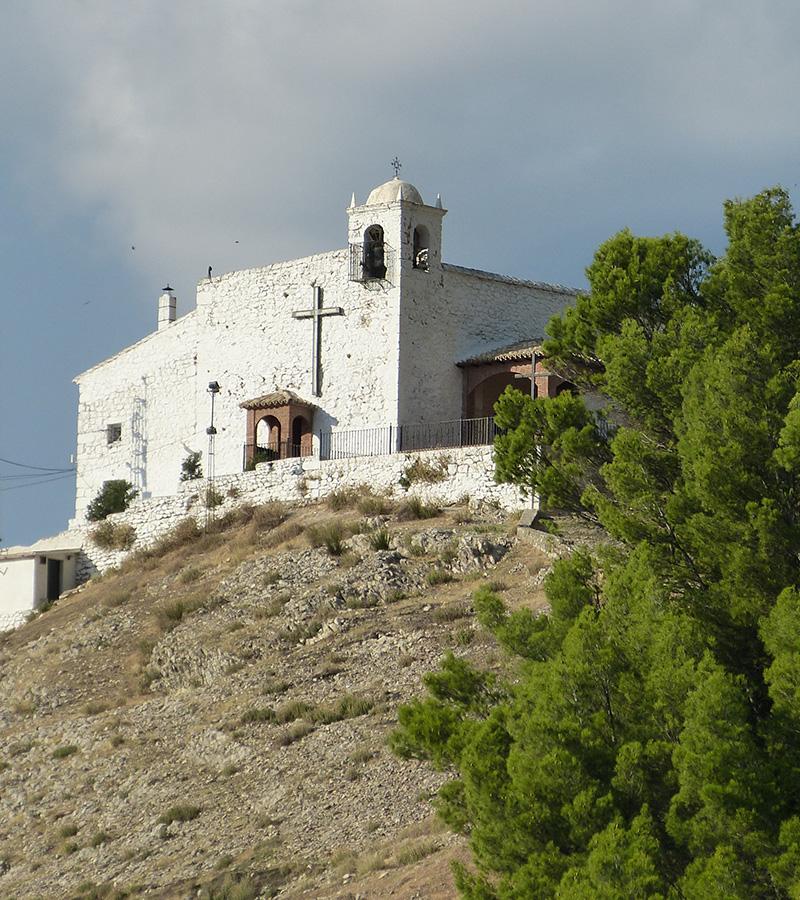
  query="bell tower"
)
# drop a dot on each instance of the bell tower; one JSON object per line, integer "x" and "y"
{"x": 394, "y": 235}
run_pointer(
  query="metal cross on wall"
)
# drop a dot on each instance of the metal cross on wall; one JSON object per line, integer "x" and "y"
{"x": 316, "y": 313}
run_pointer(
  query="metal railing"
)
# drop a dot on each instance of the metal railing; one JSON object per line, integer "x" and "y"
{"x": 369, "y": 261}
{"x": 388, "y": 439}
{"x": 256, "y": 453}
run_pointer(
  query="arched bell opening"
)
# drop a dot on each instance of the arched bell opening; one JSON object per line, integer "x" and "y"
{"x": 422, "y": 243}
{"x": 483, "y": 396}
{"x": 374, "y": 263}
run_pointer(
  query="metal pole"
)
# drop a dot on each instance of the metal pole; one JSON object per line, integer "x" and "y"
{"x": 211, "y": 431}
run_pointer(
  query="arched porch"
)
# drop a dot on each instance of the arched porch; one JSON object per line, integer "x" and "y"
{"x": 485, "y": 377}
{"x": 279, "y": 426}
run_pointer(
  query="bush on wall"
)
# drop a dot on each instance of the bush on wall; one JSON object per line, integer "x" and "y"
{"x": 115, "y": 496}
{"x": 191, "y": 467}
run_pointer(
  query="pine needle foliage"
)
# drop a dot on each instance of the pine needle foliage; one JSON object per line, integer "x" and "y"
{"x": 648, "y": 744}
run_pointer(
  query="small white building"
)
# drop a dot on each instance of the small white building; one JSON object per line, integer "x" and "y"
{"x": 32, "y": 576}
{"x": 374, "y": 342}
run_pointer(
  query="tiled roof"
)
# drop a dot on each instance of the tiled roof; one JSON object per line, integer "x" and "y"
{"x": 276, "y": 398}
{"x": 509, "y": 279}
{"x": 509, "y": 353}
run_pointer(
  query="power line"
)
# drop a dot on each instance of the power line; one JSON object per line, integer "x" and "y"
{"x": 24, "y": 475}
{"x": 47, "y": 480}
{"x": 11, "y": 462}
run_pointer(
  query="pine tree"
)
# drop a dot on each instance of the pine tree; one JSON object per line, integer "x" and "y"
{"x": 650, "y": 743}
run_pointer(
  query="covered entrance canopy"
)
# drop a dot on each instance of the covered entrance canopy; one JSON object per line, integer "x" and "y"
{"x": 487, "y": 375}
{"x": 278, "y": 427}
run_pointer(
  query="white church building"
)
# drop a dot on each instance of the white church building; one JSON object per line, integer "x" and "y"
{"x": 377, "y": 347}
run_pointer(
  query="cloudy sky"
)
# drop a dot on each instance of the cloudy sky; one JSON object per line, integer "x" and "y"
{"x": 180, "y": 128}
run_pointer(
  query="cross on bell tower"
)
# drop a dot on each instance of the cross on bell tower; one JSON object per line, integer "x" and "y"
{"x": 396, "y": 165}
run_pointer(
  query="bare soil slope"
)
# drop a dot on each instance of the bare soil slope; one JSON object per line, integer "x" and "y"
{"x": 211, "y": 720}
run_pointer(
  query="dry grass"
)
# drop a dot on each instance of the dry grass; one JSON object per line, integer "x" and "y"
{"x": 181, "y": 812}
{"x": 413, "y": 508}
{"x": 330, "y": 535}
{"x": 113, "y": 535}
{"x": 450, "y": 612}
{"x": 293, "y": 733}
{"x": 427, "y": 471}
{"x": 171, "y": 613}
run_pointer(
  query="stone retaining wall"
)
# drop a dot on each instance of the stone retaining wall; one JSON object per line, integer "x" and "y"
{"x": 466, "y": 472}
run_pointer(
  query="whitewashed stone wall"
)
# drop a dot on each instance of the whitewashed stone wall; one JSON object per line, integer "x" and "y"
{"x": 149, "y": 389}
{"x": 390, "y": 359}
{"x": 300, "y": 481}
{"x": 243, "y": 336}
{"x": 458, "y": 315}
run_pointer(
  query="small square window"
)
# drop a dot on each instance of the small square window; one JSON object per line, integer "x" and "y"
{"x": 113, "y": 433}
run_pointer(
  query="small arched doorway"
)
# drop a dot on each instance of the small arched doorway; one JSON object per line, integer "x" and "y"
{"x": 268, "y": 438}
{"x": 301, "y": 437}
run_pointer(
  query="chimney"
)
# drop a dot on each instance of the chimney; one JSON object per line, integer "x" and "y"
{"x": 166, "y": 308}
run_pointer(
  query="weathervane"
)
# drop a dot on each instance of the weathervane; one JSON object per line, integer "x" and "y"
{"x": 396, "y": 165}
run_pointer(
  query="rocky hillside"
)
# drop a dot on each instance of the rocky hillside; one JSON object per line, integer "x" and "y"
{"x": 211, "y": 719}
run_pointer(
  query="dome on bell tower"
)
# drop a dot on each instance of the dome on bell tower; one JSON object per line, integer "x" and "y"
{"x": 394, "y": 190}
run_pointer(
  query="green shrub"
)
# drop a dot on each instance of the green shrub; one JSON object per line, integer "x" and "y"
{"x": 212, "y": 497}
{"x": 185, "y": 532}
{"x": 181, "y": 812}
{"x": 438, "y": 576}
{"x": 64, "y": 751}
{"x": 260, "y": 455}
{"x": 99, "y": 837}
{"x": 115, "y": 496}
{"x": 68, "y": 830}
{"x": 372, "y": 504}
{"x": 330, "y": 535}
{"x": 234, "y": 886}
{"x": 113, "y": 536}
{"x": 379, "y": 540}
{"x": 361, "y": 601}
{"x": 414, "y": 508}
{"x": 293, "y": 733}
{"x": 258, "y": 715}
{"x": 294, "y": 709}
{"x": 171, "y": 613}
{"x": 191, "y": 467}
{"x": 347, "y": 707}
{"x": 344, "y": 498}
